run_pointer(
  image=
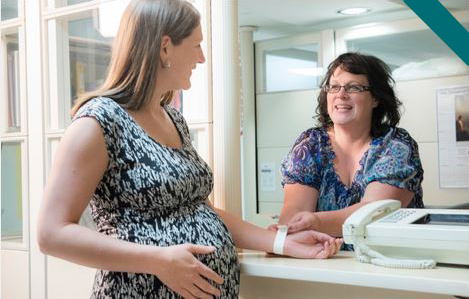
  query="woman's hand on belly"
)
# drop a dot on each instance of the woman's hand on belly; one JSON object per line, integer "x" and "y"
{"x": 311, "y": 244}
{"x": 178, "y": 269}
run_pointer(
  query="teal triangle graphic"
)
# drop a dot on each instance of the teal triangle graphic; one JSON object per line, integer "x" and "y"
{"x": 448, "y": 29}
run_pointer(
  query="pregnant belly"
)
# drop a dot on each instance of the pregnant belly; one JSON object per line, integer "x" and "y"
{"x": 197, "y": 224}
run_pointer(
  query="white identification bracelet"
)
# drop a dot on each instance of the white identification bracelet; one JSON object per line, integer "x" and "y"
{"x": 279, "y": 240}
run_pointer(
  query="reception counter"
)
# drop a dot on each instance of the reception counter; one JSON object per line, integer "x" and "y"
{"x": 269, "y": 276}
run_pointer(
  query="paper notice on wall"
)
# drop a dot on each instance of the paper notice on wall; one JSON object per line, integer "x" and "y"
{"x": 267, "y": 176}
{"x": 453, "y": 136}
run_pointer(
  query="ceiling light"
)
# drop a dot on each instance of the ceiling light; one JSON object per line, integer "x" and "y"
{"x": 354, "y": 11}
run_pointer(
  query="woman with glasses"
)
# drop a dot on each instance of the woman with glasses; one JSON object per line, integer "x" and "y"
{"x": 356, "y": 155}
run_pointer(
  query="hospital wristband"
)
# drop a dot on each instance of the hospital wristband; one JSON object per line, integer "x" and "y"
{"x": 279, "y": 240}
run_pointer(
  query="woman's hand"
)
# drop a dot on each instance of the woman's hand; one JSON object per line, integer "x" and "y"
{"x": 300, "y": 221}
{"x": 185, "y": 274}
{"x": 303, "y": 221}
{"x": 311, "y": 244}
{"x": 273, "y": 227}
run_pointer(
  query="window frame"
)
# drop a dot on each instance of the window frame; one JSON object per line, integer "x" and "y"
{"x": 12, "y": 26}
{"x": 261, "y": 47}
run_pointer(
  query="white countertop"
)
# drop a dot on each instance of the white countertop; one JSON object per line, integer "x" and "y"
{"x": 345, "y": 269}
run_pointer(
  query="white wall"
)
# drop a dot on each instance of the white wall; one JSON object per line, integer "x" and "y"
{"x": 15, "y": 274}
{"x": 68, "y": 280}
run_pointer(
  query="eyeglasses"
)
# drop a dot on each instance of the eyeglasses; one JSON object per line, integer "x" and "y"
{"x": 353, "y": 88}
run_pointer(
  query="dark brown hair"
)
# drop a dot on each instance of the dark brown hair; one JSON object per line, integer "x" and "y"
{"x": 387, "y": 113}
{"x": 133, "y": 70}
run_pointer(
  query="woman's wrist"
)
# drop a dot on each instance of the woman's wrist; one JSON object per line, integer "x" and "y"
{"x": 315, "y": 221}
{"x": 151, "y": 259}
{"x": 279, "y": 240}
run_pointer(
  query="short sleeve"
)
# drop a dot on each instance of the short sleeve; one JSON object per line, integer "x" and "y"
{"x": 104, "y": 111}
{"x": 395, "y": 162}
{"x": 301, "y": 164}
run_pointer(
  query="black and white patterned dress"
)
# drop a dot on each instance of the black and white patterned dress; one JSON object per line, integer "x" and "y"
{"x": 155, "y": 195}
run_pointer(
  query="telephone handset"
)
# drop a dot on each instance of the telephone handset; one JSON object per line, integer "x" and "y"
{"x": 355, "y": 232}
{"x": 354, "y": 226}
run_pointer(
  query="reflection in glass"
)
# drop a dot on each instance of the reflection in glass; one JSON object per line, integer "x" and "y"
{"x": 194, "y": 135}
{"x": 411, "y": 55}
{"x": 11, "y": 200}
{"x": 13, "y": 84}
{"x": 79, "y": 56}
{"x": 9, "y": 9}
{"x": 61, "y": 3}
{"x": 292, "y": 69}
{"x": 90, "y": 54}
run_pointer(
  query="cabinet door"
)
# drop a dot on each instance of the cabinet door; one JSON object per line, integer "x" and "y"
{"x": 291, "y": 63}
{"x": 409, "y": 47}
{"x": 288, "y": 75}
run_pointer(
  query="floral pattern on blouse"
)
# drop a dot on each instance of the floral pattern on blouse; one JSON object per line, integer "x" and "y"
{"x": 391, "y": 159}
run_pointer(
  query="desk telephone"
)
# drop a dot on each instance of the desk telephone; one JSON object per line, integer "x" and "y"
{"x": 384, "y": 234}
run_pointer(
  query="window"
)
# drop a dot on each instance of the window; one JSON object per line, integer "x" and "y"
{"x": 414, "y": 54}
{"x": 292, "y": 68}
{"x": 13, "y": 129}
{"x": 62, "y": 3}
{"x": 9, "y": 9}
{"x": 79, "y": 55}
{"x": 12, "y": 191}
{"x": 409, "y": 47}
{"x": 289, "y": 63}
{"x": 12, "y": 90}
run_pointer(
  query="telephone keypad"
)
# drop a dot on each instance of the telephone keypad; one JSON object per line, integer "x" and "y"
{"x": 397, "y": 216}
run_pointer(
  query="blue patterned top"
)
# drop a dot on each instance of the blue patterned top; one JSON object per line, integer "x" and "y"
{"x": 392, "y": 159}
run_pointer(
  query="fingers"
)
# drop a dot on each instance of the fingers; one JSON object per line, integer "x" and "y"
{"x": 339, "y": 243}
{"x": 209, "y": 274}
{"x": 195, "y": 292}
{"x": 320, "y": 237}
{"x": 297, "y": 226}
{"x": 200, "y": 249}
{"x": 334, "y": 246}
{"x": 200, "y": 287}
{"x": 273, "y": 227}
{"x": 301, "y": 221}
{"x": 191, "y": 276}
{"x": 202, "y": 284}
{"x": 202, "y": 269}
{"x": 186, "y": 294}
{"x": 324, "y": 254}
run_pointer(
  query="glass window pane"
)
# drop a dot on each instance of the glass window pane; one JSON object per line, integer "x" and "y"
{"x": 13, "y": 109}
{"x": 412, "y": 55}
{"x": 90, "y": 53}
{"x": 199, "y": 135}
{"x": 11, "y": 200}
{"x": 292, "y": 68}
{"x": 9, "y": 9}
{"x": 62, "y": 3}
{"x": 79, "y": 55}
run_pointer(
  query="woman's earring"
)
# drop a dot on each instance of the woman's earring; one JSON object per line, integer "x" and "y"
{"x": 166, "y": 64}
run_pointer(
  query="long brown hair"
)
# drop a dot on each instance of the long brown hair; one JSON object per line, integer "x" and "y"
{"x": 133, "y": 70}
